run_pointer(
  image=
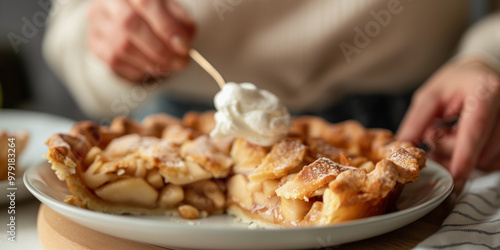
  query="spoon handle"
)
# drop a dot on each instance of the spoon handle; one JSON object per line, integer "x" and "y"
{"x": 197, "y": 57}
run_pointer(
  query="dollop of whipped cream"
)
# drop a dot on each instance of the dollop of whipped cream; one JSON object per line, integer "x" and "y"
{"x": 254, "y": 114}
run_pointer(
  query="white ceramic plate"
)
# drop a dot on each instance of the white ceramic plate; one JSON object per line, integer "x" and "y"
{"x": 222, "y": 232}
{"x": 40, "y": 127}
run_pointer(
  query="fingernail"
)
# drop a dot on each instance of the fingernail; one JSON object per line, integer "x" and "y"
{"x": 179, "y": 44}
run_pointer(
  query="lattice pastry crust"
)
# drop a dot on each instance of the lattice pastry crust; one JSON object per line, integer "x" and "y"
{"x": 319, "y": 174}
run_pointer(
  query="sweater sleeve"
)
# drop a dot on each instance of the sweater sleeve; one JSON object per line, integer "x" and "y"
{"x": 95, "y": 87}
{"x": 482, "y": 41}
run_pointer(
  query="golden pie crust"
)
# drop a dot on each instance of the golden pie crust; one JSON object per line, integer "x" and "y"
{"x": 320, "y": 174}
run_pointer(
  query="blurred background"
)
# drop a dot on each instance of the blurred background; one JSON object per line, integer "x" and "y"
{"x": 26, "y": 80}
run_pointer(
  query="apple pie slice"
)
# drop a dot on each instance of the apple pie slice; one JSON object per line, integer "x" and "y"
{"x": 319, "y": 174}
{"x": 132, "y": 168}
{"x": 287, "y": 189}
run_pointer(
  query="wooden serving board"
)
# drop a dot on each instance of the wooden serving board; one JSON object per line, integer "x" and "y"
{"x": 57, "y": 232}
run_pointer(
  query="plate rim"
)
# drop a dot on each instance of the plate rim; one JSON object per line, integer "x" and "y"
{"x": 438, "y": 198}
{"x": 33, "y": 112}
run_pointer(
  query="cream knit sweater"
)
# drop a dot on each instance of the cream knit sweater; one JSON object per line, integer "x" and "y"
{"x": 310, "y": 53}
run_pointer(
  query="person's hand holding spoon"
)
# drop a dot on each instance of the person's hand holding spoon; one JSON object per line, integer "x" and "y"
{"x": 139, "y": 39}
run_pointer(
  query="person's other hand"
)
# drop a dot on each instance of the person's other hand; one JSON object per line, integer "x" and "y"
{"x": 467, "y": 89}
{"x": 140, "y": 38}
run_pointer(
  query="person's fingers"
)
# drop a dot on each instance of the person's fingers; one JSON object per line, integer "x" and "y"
{"x": 118, "y": 33}
{"x": 178, "y": 12}
{"x": 492, "y": 165}
{"x": 182, "y": 37}
{"x": 453, "y": 107}
{"x": 174, "y": 32}
{"x": 97, "y": 16}
{"x": 127, "y": 52}
{"x": 143, "y": 37}
{"x": 474, "y": 128}
{"x": 127, "y": 71}
{"x": 180, "y": 40}
{"x": 444, "y": 141}
{"x": 140, "y": 34}
{"x": 424, "y": 108}
{"x": 117, "y": 64}
{"x": 441, "y": 159}
{"x": 488, "y": 160}
{"x": 121, "y": 47}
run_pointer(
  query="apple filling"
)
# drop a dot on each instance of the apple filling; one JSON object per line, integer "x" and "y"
{"x": 319, "y": 174}
{"x": 322, "y": 192}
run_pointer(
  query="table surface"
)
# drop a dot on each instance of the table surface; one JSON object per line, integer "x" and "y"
{"x": 57, "y": 232}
